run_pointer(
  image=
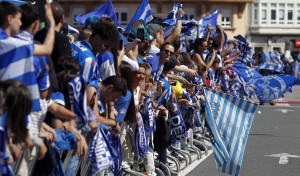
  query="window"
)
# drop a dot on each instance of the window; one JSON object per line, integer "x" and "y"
{"x": 226, "y": 17}
{"x": 77, "y": 11}
{"x": 273, "y": 13}
{"x": 281, "y": 13}
{"x": 263, "y": 13}
{"x": 255, "y": 15}
{"x": 298, "y": 13}
{"x": 290, "y": 9}
{"x": 122, "y": 15}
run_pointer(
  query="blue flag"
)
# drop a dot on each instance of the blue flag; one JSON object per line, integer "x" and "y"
{"x": 171, "y": 20}
{"x": 2, "y": 149}
{"x": 106, "y": 9}
{"x": 245, "y": 72}
{"x": 78, "y": 100}
{"x": 177, "y": 123}
{"x": 17, "y": 63}
{"x": 266, "y": 88}
{"x": 229, "y": 119}
{"x": 271, "y": 61}
{"x": 210, "y": 18}
{"x": 100, "y": 156}
{"x": 18, "y": 3}
{"x": 142, "y": 13}
{"x": 271, "y": 87}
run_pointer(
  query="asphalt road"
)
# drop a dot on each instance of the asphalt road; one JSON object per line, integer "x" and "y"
{"x": 275, "y": 130}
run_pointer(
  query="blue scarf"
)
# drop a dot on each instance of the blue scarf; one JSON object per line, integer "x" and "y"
{"x": 100, "y": 156}
{"x": 140, "y": 139}
{"x": 77, "y": 95}
{"x": 177, "y": 123}
{"x": 149, "y": 120}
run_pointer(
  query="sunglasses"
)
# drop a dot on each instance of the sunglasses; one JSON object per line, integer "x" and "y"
{"x": 168, "y": 51}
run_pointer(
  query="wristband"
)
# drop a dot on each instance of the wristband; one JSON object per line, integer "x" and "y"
{"x": 51, "y": 25}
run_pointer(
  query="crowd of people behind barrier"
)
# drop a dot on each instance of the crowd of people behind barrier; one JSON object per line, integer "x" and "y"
{"x": 135, "y": 97}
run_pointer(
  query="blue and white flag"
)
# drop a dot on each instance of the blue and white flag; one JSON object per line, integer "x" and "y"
{"x": 16, "y": 2}
{"x": 296, "y": 70}
{"x": 272, "y": 87}
{"x": 271, "y": 61}
{"x": 17, "y": 63}
{"x": 100, "y": 156}
{"x": 245, "y": 49}
{"x": 177, "y": 123}
{"x": 78, "y": 100}
{"x": 2, "y": 149}
{"x": 106, "y": 9}
{"x": 149, "y": 121}
{"x": 72, "y": 30}
{"x": 209, "y": 19}
{"x": 229, "y": 120}
{"x": 246, "y": 72}
{"x": 266, "y": 88}
{"x": 142, "y": 13}
{"x": 171, "y": 20}
{"x": 140, "y": 138}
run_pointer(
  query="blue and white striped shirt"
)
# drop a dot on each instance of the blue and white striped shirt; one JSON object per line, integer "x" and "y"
{"x": 16, "y": 63}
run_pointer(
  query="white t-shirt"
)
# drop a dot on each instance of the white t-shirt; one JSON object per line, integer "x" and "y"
{"x": 154, "y": 50}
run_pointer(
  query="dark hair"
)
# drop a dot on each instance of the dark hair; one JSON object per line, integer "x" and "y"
{"x": 162, "y": 47}
{"x": 30, "y": 14}
{"x": 7, "y": 8}
{"x": 125, "y": 70}
{"x": 216, "y": 60}
{"x": 18, "y": 104}
{"x": 216, "y": 44}
{"x": 185, "y": 59}
{"x": 69, "y": 68}
{"x": 176, "y": 43}
{"x": 201, "y": 69}
{"x": 57, "y": 11}
{"x": 107, "y": 30}
{"x": 198, "y": 41}
{"x": 157, "y": 20}
{"x": 118, "y": 82}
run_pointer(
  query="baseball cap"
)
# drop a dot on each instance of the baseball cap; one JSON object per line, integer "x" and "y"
{"x": 91, "y": 19}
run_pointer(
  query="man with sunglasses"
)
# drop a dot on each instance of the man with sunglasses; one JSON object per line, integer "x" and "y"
{"x": 104, "y": 37}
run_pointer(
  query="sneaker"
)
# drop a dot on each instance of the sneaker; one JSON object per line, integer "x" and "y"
{"x": 171, "y": 163}
{"x": 271, "y": 103}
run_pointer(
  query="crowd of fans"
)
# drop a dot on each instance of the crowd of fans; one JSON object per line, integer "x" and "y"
{"x": 131, "y": 91}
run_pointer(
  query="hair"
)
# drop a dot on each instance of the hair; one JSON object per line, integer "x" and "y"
{"x": 162, "y": 47}
{"x": 176, "y": 43}
{"x": 217, "y": 60}
{"x": 107, "y": 30}
{"x": 157, "y": 20}
{"x": 7, "y": 8}
{"x": 17, "y": 103}
{"x": 69, "y": 68}
{"x": 118, "y": 82}
{"x": 216, "y": 44}
{"x": 30, "y": 14}
{"x": 198, "y": 41}
{"x": 125, "y": 70}
{"x": 57, "y": 11}
{"x": 85, "y": 34}
{"x": 144, "y": 48}
{"x": 201, "y": 69}
{"x": 186, "y": 59}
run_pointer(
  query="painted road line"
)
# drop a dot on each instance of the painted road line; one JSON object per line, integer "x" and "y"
{"x": 283, "y": 157}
